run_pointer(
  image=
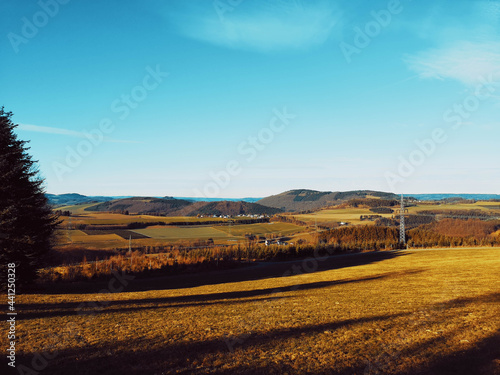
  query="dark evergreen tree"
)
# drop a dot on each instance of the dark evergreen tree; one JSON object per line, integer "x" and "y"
{"x": 27, "y": 222}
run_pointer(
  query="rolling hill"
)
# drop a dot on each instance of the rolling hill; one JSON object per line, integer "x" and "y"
{"x": 291, "y": 201}
{"x": 70, "y": 199}
{"x": 74, "y": 198}
{"x": 303, "y": 199}
{"x": 179, "y": 207}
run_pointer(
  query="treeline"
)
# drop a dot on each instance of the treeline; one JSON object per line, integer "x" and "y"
{"x": 176, "y": 246}
{"x": 370, "y": 202}
{"x": 411, "y": 221}
{"x": 142, "y": 225}
{"x": 104, "y": 227}
{"x": 475, "y": 213}
{"x": 464, "y": 228}
{"x": 445, "y": 233}
{"x": 426, "y": 238}
{"x": 382, "y": 210}
{"x": 455, "y": 232}
{"x": 361, "y": 237}
{"x": 181, "y": 261}
{"x": 369, "y": 217}
{"x": 289, "y": 220}
{"x": 458, "y": 200}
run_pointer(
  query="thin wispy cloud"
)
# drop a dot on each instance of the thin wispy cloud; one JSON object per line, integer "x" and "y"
{"x": 65, "y": 132}
{"x": 466, "y": 62}
{"x": 466, "y": 50}
{"x": 260, "y": 26}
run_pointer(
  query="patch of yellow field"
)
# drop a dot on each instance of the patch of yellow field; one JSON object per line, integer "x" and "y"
{"x": 99, "y": 241}
{"x": 95, "y": 238}
{"x": 179, "y": 233}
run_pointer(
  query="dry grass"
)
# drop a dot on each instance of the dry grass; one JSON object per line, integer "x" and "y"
{"x": 98, "y": 241}
{"x": 431, "y": 311}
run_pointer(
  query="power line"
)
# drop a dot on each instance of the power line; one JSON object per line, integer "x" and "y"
{"x": 402, "y": 234}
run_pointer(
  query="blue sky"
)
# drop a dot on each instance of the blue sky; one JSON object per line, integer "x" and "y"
{"x": 250, "y": 98}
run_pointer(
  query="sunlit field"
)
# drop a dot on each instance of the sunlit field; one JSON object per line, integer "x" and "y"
{"x": 99, "y": 218}
{"x": 176, "y": 233}
{"x": 408, "y": 312}
{"x": 278, "y": 229}
{"x": 481, "y": 205}
{"x": 348, "y": 215}
{"x": 352, "y": 215}
{"x": 159, "y": 235}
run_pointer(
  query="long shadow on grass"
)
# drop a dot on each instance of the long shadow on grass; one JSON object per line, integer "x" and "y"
{"x": 423, "y": 358}
{"x": 246, "y": 272}
{"x": 483, "y": 358}
{"x": 93, "y": 307}
{"x": 126, "y": 355}
{"x": 153, "y": 355}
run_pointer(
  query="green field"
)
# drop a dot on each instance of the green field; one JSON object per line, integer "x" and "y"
{"x": 407, "y": 312}
{"x": 178, "y": 233}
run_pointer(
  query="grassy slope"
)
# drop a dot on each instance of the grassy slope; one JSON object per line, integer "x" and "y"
{"x": 78, "y": 208}
{"x": 433, "y": 311}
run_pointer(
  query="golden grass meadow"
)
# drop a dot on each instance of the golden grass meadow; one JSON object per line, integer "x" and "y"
{"x": 430, "y": 311}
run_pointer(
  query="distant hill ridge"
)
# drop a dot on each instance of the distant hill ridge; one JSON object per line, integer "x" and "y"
{"x": 70, "y": 199}
{"x": 179, "y": 207}
{"x": 304, "y": 199}
{"x": 292, "y": 200}
{"x": 74, "y": 198}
